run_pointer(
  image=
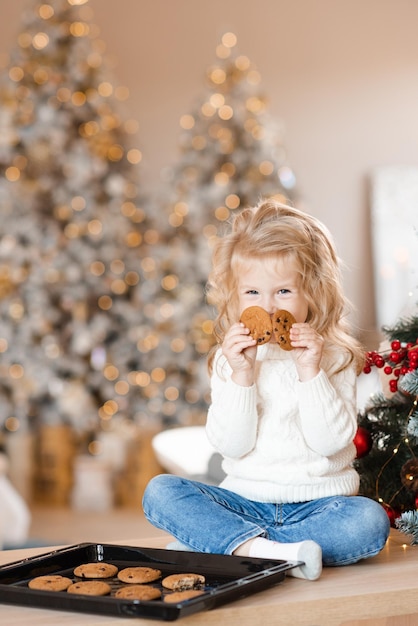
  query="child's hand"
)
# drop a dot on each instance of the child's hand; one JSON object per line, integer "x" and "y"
{"x": 240, "y": 350}
{"x": 307, "y": 350}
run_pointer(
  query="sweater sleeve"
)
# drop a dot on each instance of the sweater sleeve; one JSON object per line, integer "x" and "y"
{"x": 232, "y": 420}
{"x": 328, "y": 411}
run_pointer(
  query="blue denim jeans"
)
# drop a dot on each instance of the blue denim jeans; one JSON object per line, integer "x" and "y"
{"x": 210, "y": 519}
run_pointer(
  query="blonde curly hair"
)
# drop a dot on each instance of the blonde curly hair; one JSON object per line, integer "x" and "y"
{"x": 272, "y": 230}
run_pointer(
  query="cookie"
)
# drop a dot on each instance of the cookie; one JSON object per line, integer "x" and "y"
{"x": 181, "y": 596}
{"x": 258, "y": 321}
{"x": 96, "y": 570}
{"x": 282, "y": 322}
{"x": 53, "y": 582}
{"x": 180, "y": 582}
{"x": 139, "y": 575}
{"x": 138, "y": 592}
{"x": 90, "y": 588}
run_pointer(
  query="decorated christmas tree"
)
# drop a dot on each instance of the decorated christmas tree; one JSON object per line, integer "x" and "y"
{"x": 388, "y": 429}
{"x": 231, "y": 155}
{"x": 76, "y": 244}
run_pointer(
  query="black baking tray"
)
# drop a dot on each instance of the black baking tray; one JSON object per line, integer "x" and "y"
{"x": 227, "y": 578}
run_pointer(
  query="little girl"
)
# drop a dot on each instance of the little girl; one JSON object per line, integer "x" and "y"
{"x": 284, "y": 421}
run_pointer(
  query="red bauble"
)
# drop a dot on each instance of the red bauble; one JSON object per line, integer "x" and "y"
{"x": 392, "y": 514}
{"x": 363, "y": 442}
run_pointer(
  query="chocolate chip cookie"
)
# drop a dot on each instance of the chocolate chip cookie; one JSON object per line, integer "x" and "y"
{"x": 258, "y": 322}
{"x": 282, "y": 322}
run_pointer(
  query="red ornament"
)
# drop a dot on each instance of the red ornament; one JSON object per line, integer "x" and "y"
{"x": 392, "y": 514}
{"x": 396, "y": 362}
{"x": 393, "y": 385}
{"x": 363, "y": 442}
{"x": 395, "y": 357}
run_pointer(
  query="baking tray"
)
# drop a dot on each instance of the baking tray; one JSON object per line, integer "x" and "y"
{"x": 227, "y": 578}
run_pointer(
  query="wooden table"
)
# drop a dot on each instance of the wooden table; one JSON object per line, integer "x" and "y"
{"x": 382, "y": 591}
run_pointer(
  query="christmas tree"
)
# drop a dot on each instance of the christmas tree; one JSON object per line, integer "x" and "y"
{"x": 231, "y": 155}
{"x": 76, "y": 245}
{"x": 389, "y": 467}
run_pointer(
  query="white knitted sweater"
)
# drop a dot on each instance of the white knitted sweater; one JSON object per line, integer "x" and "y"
{"x": 283, "y": 440}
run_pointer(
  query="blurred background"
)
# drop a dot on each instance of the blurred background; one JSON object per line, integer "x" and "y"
{"x": 130, "y": 132}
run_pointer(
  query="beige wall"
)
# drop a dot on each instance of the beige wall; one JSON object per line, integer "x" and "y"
{"x": 341, "y": 74}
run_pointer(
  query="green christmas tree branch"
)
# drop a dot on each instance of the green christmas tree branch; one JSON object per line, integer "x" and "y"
{"x": 405, "y": 329}
{"x": 408, "y": 524}
{"x": 393, "y": 425}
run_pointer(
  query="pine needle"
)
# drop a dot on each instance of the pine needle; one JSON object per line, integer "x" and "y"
{"x": 408, "y": 523}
